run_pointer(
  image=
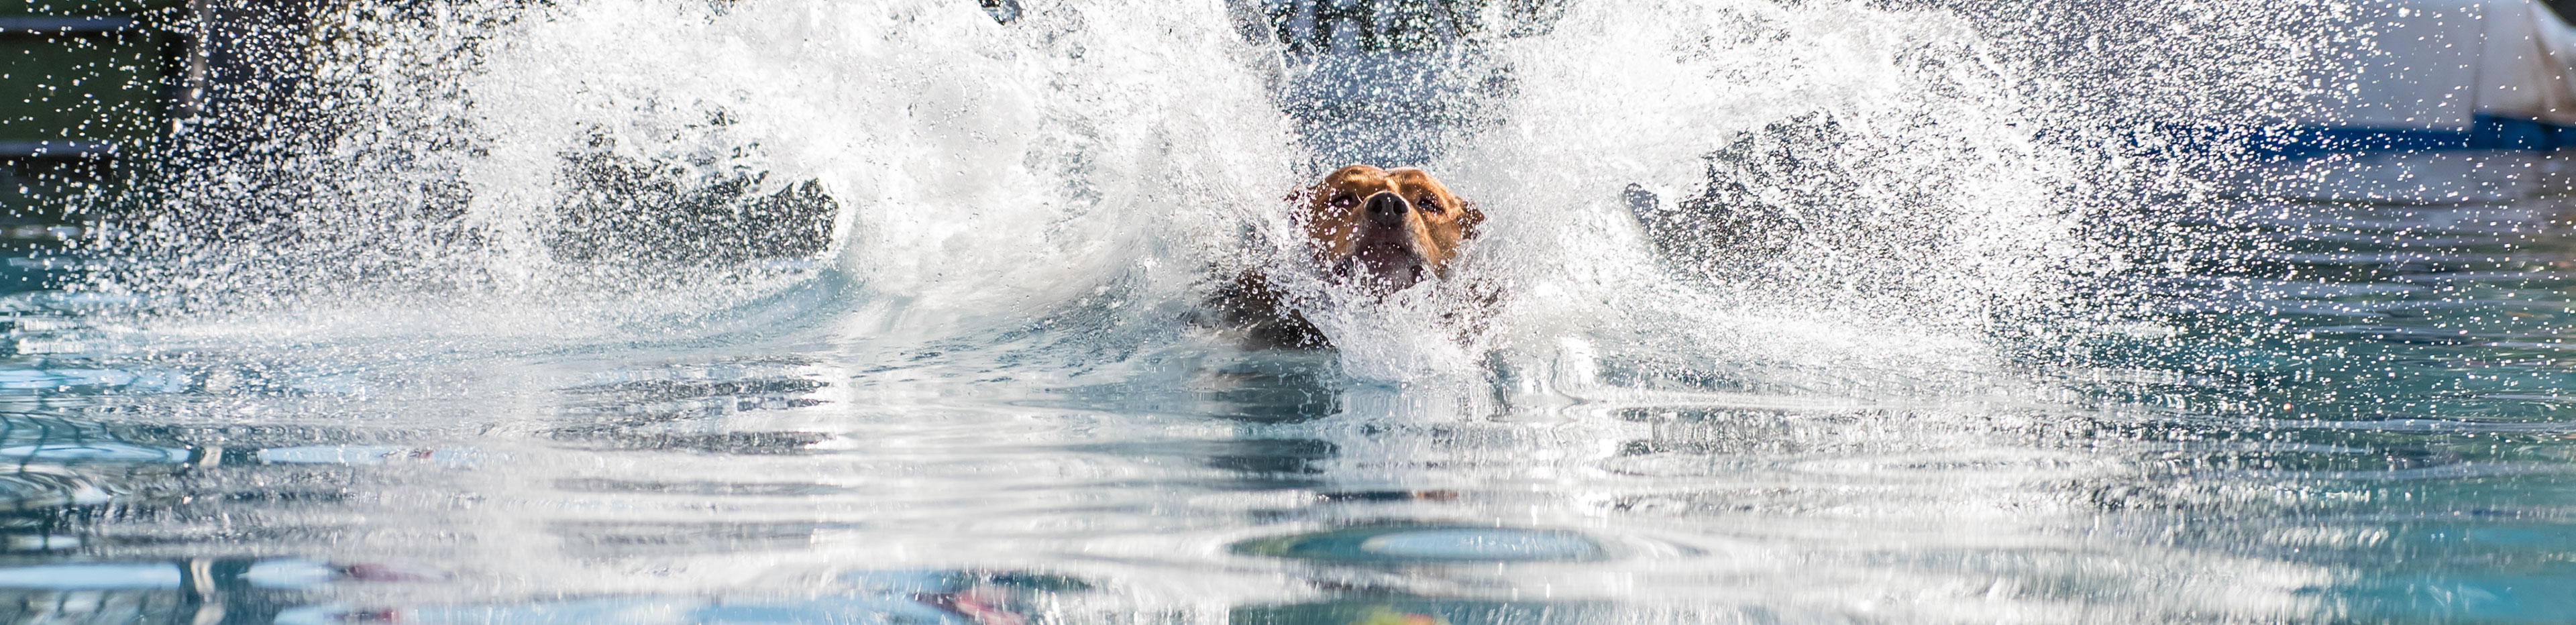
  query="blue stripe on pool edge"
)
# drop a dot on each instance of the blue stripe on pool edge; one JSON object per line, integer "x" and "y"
{"x": 2486, "y": 132}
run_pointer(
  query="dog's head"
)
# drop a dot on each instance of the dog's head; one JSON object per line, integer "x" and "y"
{"x": 1384, "y": 229}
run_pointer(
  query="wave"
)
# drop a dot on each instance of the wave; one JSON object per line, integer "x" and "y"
{"x": 1724, "y": 195}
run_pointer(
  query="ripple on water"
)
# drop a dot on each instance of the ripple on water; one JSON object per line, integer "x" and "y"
{"x": 1409, "y": 543}
{"x": 2527, "y": 279}
{"x": 2407, "y": 335}
{"x": 2443, "y": 426}
{"x": 302, "y": 592}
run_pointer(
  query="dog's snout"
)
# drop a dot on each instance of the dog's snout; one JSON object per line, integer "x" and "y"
{"x": 1387, "y": 208}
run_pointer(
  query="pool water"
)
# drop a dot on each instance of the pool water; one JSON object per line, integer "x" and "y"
{"x": 886, "y": 312}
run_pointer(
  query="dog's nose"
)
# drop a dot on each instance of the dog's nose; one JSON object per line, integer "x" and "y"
{"x": 1387, "y": 209}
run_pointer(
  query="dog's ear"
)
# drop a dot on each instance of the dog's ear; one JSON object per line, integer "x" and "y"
{"x": 1469, "y": 217}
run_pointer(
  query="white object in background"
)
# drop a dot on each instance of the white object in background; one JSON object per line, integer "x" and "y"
{"x": 2439, "y": 64}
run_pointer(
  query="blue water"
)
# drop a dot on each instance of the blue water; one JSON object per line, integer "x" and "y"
{"x": 888, "y": 312}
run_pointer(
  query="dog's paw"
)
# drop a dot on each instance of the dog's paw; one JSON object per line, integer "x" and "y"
{"x": 1641, "y": 202}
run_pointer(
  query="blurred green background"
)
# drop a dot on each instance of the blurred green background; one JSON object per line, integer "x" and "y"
{"x": 84, "y": 83}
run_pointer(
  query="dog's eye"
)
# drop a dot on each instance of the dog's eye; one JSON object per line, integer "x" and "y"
{"x": 1345, "y": 200}
{"x": 1429, "y": 203}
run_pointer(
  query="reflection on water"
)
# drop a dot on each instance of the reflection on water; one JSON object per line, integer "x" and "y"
{"x": 2346, "y": 412}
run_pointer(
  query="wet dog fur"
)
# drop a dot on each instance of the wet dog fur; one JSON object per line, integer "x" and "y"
{"x": 1375, "y": 231}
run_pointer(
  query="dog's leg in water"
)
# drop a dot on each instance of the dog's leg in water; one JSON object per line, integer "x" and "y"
{"x": 1251, "y": 306}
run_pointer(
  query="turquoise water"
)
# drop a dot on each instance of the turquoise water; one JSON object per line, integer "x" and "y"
{"x": 2343, "y": 412}
{"x": 2374, "y": 389}
{"x": 885, "y": 312}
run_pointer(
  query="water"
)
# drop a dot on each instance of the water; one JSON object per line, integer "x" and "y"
{"x": 776, "y": 311}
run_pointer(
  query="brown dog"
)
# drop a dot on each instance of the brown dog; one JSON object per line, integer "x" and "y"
{"x": 1381, "y": 230}
{"x": 1374, "y": 230}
